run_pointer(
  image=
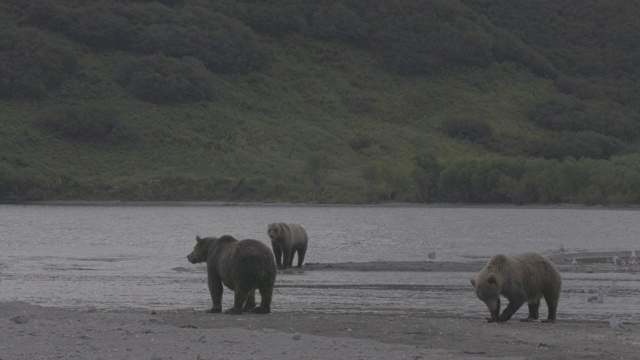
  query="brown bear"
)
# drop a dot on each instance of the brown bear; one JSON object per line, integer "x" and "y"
{"x": 242, "y": 266}
{"x": 520, "y": 278}
{"x": 286, "y": 240}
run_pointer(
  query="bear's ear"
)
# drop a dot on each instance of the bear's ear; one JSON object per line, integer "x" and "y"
{"x": 491, "y": 279}
{"x": 199, "y": 239}
{"x": 473, "y": 282}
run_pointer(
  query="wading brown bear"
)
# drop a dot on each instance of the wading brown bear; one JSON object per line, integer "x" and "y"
{"x": 286, "y": 240}
{"x": 242, "y": 266}
{"x": 526, "y": 277}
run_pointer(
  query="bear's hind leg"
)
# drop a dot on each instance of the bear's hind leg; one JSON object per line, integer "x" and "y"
{"x": 293, "y": 252}
{"x": 301, "y": 254}
{"x": 251, "y": 301}
{"x": 534, "y": 308}
{"x": 552, "y": 305}
{"x": 266, "y": 293}
{"x": 239, "y": 298}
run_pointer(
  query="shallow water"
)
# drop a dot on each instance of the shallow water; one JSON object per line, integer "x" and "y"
{"x": 117, "y": 257}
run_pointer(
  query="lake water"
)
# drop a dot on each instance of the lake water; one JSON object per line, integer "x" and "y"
{"x": 115, "y": 257}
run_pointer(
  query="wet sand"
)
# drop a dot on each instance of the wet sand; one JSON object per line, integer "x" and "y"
{"x": 34, "y": 332}
{"x": 587, "y": 262}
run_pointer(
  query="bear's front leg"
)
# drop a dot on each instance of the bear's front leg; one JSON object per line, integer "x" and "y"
{"x": 514, "y": 305}
{"x": 286, "y": 258}
{"x": 277, "y": 251}
{"x": 215, "y": 289}
{"x": 494, "y": 310}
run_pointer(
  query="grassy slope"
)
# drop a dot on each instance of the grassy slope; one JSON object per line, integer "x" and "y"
{"x": 315, "y": 97}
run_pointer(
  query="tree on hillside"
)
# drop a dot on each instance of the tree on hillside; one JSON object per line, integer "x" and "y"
{"x": 371, "y": 175}
{"x": 32, "y": 63}
{"x": 317, "y": 169}
{"x": 425, "y": 175}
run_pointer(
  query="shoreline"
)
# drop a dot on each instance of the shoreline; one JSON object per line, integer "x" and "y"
{"x": 588, "y": 261}
{"x": 287, "y": 204}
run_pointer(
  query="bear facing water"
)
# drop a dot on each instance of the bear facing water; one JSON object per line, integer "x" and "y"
{"x": 526, "y": 277}
{"x": 241, "y": 265}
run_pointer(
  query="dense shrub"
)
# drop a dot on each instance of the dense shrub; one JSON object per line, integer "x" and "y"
{"x": 95, "y": 24}
{"x": 161, "y": 79}
{"x": 557, "y": 115}
{"x": 223, "y": 44}
{"x": 82, "y": 122}
{"x": 425, "y": 176}
{"x": 564, "y": 114}
{"x": 579, "y": 88}
{"x": 264, "y": 17}
{"x": 411, "y": 37}
{"x": 508, "y": 47}
{"x": 361, "y": 142}
{"x": 415, "y": 38}
{"x": 584, "y": 144}
{"x": 359, "y": 104}
{"x": 170, "y": 3}
{"x": 564, "y": 33}
{"x": 468, "y": 129}
{"x": 19, "y": 183}
{"x": 7, "y": 181}
{"x": 339, "y": 22}
{"x": 32, "y": 63}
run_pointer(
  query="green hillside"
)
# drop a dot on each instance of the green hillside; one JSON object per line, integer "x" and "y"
{"x": 328, "y": 101}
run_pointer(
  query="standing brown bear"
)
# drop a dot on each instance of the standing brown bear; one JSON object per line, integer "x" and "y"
{"x": 520, "y": 278}
{"x": 286, "y": 240}
{"x": 242, "y": 266}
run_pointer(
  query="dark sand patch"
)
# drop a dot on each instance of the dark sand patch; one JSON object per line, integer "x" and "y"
{"x": 52, "y": 333}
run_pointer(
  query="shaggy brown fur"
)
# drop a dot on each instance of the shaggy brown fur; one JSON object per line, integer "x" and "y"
{"x": 286, "y": 240}
{"x": 526, "y": 277}
{"x": 242, "y": 266}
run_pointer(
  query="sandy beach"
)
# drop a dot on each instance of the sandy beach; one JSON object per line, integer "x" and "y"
{"x": 35, "y": 332}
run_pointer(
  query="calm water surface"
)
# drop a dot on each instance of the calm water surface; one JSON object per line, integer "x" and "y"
{"x": 117, "y": 257}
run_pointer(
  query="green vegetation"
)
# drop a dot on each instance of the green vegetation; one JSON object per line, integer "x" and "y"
{"x": 163, "y": 80}
{"x": 329, "y": 101}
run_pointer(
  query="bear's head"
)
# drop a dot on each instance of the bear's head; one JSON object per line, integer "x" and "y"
{"x": 488, "y": 287}
{"x": 201, "y": 250}
{"x": 275, "y": 230}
